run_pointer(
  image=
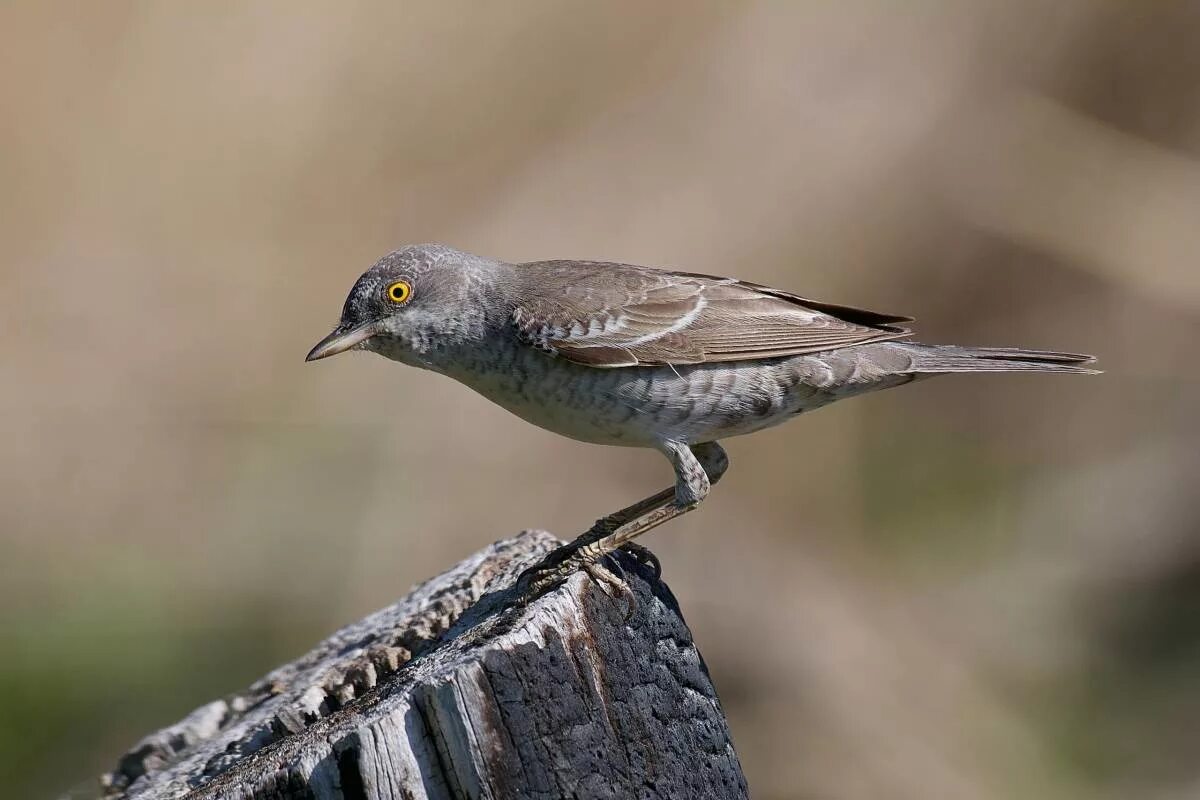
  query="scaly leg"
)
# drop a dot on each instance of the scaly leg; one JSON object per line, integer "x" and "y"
{"x": 696, "y": 468}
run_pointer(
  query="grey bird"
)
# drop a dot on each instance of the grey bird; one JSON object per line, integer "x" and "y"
{"x": 625, "y": 355}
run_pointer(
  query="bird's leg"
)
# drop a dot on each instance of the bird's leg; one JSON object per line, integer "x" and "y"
{"x": 603, "y": 527}
{"x": 696, "y": 469}
{"x": 606, "y": 525}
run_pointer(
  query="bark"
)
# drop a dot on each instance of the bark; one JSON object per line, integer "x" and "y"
{"x": 453, "y": 693}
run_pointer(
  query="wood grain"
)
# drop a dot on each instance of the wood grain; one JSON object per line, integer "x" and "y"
{"x": 454, "y": 693}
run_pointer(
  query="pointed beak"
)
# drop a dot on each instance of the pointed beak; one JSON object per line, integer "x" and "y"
{"x": 341, "y": 340}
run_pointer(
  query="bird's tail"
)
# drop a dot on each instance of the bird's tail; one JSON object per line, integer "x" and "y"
{"x": 935, "y": 358}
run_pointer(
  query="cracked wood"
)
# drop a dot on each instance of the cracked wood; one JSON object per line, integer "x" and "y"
{"x": 450, "y": 694}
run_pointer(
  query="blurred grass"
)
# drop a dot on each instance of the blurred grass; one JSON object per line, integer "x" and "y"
{"x": 86, "y": 682}
{"x": 973, "y": 588}
{"x": 1128, "y": 715}
{"x": 917, "y": 511}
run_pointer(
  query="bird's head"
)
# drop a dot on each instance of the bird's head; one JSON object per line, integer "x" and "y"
{"x": 414, "y": 302}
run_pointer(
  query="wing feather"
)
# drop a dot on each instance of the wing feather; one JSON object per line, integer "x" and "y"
{"x": 617, "y": 315}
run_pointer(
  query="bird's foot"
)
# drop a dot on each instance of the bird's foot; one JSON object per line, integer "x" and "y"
{"x": 644, "y": 557}
{"x": 563, "y": 562}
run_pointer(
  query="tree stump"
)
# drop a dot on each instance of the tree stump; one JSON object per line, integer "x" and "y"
{"x": 453, "y": 693}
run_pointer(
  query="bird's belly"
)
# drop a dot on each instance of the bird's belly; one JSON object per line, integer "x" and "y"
{"x": 642, "y": 406}
{"x": 578, "y": 403}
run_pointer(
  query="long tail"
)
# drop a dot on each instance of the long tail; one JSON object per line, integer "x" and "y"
{"x": 940, "y": 358}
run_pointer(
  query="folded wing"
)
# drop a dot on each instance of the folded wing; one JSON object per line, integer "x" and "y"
{"x": 616, "y": 315}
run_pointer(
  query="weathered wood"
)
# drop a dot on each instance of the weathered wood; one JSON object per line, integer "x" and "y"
{"x": 449, "y": 694}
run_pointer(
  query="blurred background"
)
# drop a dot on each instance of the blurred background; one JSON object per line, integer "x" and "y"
{"x": 975, "y": 587}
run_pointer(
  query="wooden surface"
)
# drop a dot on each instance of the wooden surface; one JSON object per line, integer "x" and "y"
{"x": 450, "y": 694}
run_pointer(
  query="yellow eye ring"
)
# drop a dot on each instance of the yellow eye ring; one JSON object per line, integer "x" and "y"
{"x": 399, "y": 292}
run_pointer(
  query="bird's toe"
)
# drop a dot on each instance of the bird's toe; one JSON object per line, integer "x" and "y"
{"x": 645, "y": 557}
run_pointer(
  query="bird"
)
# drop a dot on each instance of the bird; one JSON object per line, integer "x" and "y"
{"x": 618, "y": 354}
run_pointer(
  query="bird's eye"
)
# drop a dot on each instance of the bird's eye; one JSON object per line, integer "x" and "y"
{"x": 399, "y": 292}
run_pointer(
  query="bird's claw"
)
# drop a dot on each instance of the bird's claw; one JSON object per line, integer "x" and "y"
{"x": 644, "y": 557}
{"x": 543, "y": 576}
{"x": 559, "y": 565}
{"x": 609, "y": 581}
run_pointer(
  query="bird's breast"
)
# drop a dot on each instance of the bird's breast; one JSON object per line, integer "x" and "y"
{"x": 632, "y": 406}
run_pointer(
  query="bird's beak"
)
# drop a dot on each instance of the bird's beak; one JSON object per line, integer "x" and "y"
{"x": 341, "y": 340}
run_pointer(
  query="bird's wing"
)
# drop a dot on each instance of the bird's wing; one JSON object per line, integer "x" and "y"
{"x": 616, "y": 315}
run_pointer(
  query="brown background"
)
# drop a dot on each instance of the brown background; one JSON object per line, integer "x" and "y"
{"x": 982, "y": 587}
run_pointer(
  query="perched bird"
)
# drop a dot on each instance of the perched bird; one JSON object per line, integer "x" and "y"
{"x": 625, "y": 355}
